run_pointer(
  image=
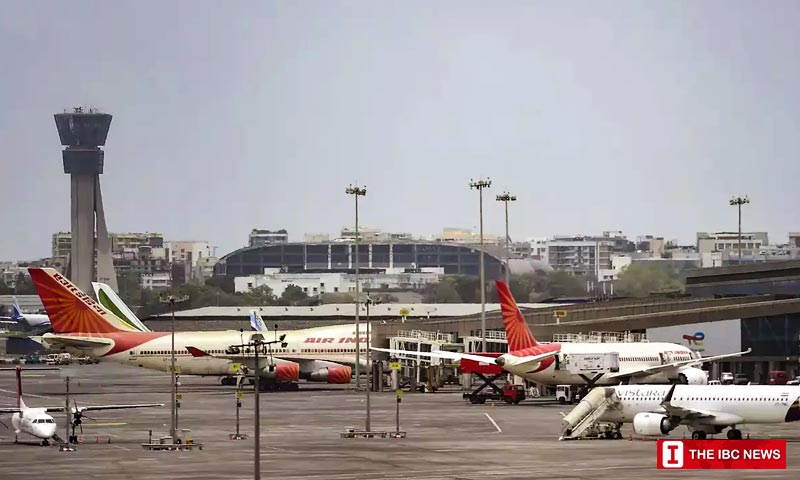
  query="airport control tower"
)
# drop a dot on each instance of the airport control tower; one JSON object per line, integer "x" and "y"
{"x": 83, "y": 132}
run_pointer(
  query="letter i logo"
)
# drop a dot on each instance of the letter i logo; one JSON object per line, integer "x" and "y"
{"x": 671, "y": 454}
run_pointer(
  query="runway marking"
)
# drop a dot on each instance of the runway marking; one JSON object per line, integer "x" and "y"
{"x": 107, "y": 424}
{"x": 493, "y": 422}
{"x": 121, "y": 448}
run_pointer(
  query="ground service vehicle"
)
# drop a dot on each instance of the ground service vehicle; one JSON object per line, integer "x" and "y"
{"x": 778, "y": 377}
{"x": 740, "y": 379}
{"x": 508, "y": 393}
{"x": 726, "y": 378}
{"x": 568, "y": 393}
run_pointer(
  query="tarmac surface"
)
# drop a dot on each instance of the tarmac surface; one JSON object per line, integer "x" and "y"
{"x": 448, "y": 438}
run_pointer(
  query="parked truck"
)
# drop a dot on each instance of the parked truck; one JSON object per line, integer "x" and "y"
{"x": 507, "y": 393}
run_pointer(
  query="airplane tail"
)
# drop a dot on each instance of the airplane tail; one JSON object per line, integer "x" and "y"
{"x": 256, "y": 322}
{"x": 517, "y": 332}
{"x": 16, "y": 312}
{"x": 20, "y": 401}
{"x": 109, "y": 299}
{"x": 69, "y": 309}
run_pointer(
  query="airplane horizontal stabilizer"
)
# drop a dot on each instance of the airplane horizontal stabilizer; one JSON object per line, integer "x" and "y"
{"x": 439, "y": 354}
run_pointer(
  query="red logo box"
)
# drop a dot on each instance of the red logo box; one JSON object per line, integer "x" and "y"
{"x": 721, "y": 454}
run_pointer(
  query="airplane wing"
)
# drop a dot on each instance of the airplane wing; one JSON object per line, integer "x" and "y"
{"x": 438, "y": 354}
{"x": 88, "y": 408}
{"x": 78, "y": 342}
{"x": 531, "y": 361}
{"x": 693, "y": 415}
{"x": 19, "y": 410}
{"x": 641, "y": 372}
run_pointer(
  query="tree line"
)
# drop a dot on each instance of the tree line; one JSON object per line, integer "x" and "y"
{"x": 636, "y": 280}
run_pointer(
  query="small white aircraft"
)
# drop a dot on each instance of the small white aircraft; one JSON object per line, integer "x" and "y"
{"x": 37, "y": 422}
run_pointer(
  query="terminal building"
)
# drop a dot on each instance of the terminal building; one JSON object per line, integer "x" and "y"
{"x": 373, "y": 256}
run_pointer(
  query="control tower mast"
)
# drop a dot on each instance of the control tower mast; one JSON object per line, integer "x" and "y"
{"x": 83, "y": 132}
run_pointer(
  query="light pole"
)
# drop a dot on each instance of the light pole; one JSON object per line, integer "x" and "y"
{"x": 256, "y": 344}
{"x": 173, "y": 301}
{"x": 739, "y": 201}
{"x": 371, "y": 373}
{"x": 369, "y": 366}
{"x": 479, "y": 186}
{"x": 357, "y": 192}
{"x": 505, "y": 198}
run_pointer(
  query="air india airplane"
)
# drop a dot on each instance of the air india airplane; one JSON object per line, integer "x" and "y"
{"x": 84, "y": 327}
{"x": 549, "y": 363}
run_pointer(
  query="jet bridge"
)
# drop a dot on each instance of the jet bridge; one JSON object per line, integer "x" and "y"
{"x": 582, "y": 421}
{"x": 422, "y": 341}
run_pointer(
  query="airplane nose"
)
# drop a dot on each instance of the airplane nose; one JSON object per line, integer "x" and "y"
{"x": 500, "y": 361}
{"x": 49, "y": 430}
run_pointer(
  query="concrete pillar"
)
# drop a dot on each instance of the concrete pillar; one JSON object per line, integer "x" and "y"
{"x": 82, "y": 222}
{"x": 105, "y": 262}
{"x": 466, "y": 381}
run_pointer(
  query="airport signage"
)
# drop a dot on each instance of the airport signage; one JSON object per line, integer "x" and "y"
{"x": 721, "y": 454}
{"x": 560, "y": 313}
{"x": 394, "y": 365}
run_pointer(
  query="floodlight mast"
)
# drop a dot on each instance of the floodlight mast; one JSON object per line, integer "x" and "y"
{"x": 738, "y": 202}
{"x": 357, "y": 192}
{"x": 173, "y": 301}
{"x": 505, "y": 198}
{"x": 479, "y": 186}
{"x": 257, "y": 344}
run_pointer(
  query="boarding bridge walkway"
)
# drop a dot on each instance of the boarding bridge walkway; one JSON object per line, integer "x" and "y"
{"x": 584, "y": 417}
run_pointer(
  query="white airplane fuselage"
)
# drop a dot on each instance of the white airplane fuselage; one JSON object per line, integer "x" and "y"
{"x": 631, "y": 356}
{"x": 152, "y": 349}
{"x": 34, "y": 421}
{"x": 733, "y": 404}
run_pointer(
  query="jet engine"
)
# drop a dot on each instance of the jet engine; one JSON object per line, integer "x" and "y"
{"x": 287, "y": 371}
{"x": 337, "y": 374}
{"x": 652, "y": 424}
{"x": 693, "y": 376}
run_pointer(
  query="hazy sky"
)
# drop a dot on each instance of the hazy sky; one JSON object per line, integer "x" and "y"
{"x": 640, "y": 116}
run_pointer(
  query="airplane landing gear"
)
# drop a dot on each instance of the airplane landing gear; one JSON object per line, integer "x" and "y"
{"x": 613, "y": 433}
{"x": 734, "y": 434}
{"x": 45, "y": 443}
{"x": 698, "y": 435}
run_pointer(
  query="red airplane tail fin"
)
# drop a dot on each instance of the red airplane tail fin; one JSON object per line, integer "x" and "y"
{"x": 517, "y": 332}
{"x": 69, "y": 309}
{"x": 20, "y": 401}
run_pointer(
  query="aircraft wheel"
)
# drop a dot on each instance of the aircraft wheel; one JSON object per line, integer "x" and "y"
{"x": 698, "y": 435}
{"x": 734, "y": 434}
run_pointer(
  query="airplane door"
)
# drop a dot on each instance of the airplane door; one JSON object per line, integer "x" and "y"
{"x": 666, "y": 357}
